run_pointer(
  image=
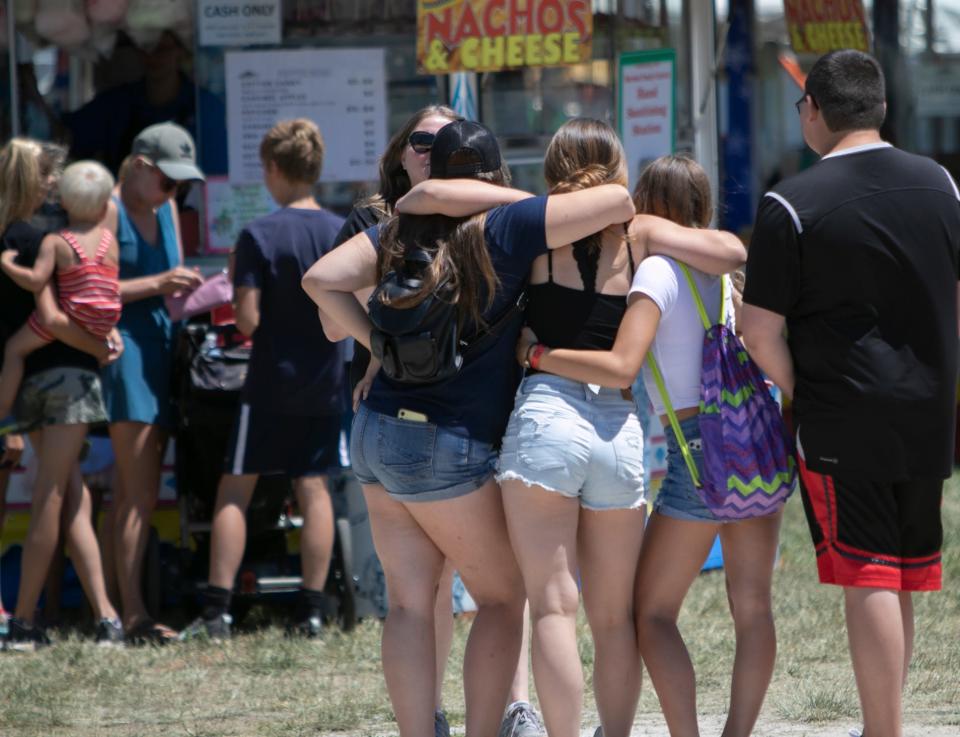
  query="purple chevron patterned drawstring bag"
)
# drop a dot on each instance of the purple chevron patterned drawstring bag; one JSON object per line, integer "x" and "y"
{"x": 748, "y": 465}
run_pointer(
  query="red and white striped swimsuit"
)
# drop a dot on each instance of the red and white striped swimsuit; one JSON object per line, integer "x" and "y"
{"x": 89, "y": 291}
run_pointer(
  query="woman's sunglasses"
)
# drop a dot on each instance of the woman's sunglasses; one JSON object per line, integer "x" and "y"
{"x": 421, "y": 141}
{"x": 166, "y": 183}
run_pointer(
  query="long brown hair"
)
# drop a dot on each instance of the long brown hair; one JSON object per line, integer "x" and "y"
{"x": 677, "y": 188}
{"x": 394, "y": 181}
{"x": 460, "y": 267}
{"x": 584, "y": 153}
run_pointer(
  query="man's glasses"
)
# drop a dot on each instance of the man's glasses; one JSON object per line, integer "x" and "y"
{"x": 421, "y": 141}
{"x": 799, "y": 102}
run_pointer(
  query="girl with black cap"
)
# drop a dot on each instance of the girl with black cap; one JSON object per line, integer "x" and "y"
{"x": 426, "y": 454}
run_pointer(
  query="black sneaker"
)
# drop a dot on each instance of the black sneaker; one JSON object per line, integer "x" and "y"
{"x": 216, "y": 629}
{"x": 310, "y": 627}
{"x": 109, "y": 633}
{"x": 25, "y": 638}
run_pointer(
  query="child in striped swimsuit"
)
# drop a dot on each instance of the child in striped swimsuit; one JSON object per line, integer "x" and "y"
{"x": 84, "y": 258}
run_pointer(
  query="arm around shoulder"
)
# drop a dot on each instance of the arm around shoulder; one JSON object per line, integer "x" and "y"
{"x": 575, "y": 215}
{"x": 707, "y": 250}
{"x": 456, "y": 197}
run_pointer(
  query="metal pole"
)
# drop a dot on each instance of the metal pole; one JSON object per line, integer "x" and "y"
{"x": 703, "y": 60}
{"x": 12, "y": 63}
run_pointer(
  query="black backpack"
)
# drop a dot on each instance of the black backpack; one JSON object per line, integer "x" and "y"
{"x": 422, "y": 344}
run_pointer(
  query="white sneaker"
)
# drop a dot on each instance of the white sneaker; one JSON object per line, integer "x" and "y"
{"x": 521, "y": 720}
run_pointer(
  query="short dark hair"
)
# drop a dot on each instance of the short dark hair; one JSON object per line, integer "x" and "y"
{"x": 848, "y": 87}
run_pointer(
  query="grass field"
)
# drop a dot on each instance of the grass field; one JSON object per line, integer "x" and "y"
{"x": 266, "y": 685}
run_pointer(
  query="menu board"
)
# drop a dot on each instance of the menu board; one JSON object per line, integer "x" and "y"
{"x": 342, "y": 90}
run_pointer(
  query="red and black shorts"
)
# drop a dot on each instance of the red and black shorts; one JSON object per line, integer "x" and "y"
{"x": 875, "y": 535}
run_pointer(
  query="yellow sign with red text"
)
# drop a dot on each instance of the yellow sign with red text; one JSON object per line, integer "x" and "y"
{"x": 489, "y": 35}
{"x": 819, "y": 26}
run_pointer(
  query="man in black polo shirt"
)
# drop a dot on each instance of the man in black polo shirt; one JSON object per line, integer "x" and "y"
{"x": 857, "y": 257}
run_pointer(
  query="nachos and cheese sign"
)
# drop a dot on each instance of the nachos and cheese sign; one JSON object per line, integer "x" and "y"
{"x": 819, "y": 26}
{"x": 490, "y": 35}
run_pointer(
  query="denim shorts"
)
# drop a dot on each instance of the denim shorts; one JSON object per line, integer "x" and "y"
{"x": 581, "y": 443}
{"x": 678, "y": 497}
{"x": 417, "y": 461}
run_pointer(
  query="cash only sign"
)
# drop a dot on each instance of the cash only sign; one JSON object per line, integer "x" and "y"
{"x": 490, "y": 35}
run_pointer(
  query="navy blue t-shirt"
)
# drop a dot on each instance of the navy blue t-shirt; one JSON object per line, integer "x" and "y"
{"x": 477, "y": 400}
{"x": 294, "y": 369}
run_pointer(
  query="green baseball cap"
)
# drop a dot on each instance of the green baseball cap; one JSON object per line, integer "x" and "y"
{"x": 171, "y": 148}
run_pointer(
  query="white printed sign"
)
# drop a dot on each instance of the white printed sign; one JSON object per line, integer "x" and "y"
{"x": 342, "y": 90}
{"x": 647, "y": 107}
{"x": 239, "y": 22}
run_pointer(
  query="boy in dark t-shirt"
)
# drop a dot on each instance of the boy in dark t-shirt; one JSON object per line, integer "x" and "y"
{"x": 858, "y": 259}
{"x": 289, "y": 419}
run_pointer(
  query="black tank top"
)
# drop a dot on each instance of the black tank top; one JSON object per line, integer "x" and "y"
{"x": 565, "y": 317}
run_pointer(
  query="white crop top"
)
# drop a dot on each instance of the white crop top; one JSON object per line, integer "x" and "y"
{"x": 678, "y": 345}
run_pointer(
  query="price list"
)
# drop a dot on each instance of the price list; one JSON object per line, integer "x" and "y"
{"x": 342, "y": 90}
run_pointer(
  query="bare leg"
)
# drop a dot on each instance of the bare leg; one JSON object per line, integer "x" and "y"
{"x": 4, "y": 481}
{"x": 906, "y": 613}
{"x": 107, "y": 539}
{"x": 671, "y": 556}
{"x": 139, "y": 452}
{"x": 412, "y": 565}
{"x": 228, "y": 535}
{"x": 57, "y": 449}
{"x": 471, "y": 532}
{"x": 316, "y": 538}
{"x": 82, "y": 544}
{"x": 749, "y": 551}
{"x": 443, "y": 625}
{"x": 20, "y": 345}
{"x": 520, "y": 688}
{"x": 543, "y": 527}
{"x": 877, "y": 634}
{"x": 609, "y": 551}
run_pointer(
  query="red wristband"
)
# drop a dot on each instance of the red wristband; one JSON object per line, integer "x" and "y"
{"x": 535, "y": 356}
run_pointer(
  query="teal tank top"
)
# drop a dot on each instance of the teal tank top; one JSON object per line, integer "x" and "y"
{"x": 148, "y": 317}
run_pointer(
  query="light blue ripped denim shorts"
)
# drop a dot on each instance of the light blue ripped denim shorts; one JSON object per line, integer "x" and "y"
{"x": 678, "y": 497}
{"x": 570, "y": 439}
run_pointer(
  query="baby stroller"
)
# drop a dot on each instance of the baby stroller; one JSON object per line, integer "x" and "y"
{"x": 211, "y": 366}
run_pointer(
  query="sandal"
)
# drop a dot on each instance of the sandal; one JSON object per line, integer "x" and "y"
{"x": 148, "y": 632}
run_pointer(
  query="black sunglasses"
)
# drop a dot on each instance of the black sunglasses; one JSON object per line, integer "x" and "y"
{"x": 166, "y": 183}
{"x": 421, "y": 141}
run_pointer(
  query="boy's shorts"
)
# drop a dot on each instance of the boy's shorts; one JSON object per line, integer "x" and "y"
{"x": 875, "y": 535}
{"x": 265, "y": 443}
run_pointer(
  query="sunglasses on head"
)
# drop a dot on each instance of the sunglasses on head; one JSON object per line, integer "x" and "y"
{"x": 421, "y": 141}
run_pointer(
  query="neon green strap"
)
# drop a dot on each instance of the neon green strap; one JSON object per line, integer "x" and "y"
{"x": 704, "y": 317}
{"x": 658, "y": 377}
{"x": 674, "y": 422}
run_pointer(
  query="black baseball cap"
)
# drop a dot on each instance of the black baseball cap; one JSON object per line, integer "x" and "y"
{"x": 463, "y": 148}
